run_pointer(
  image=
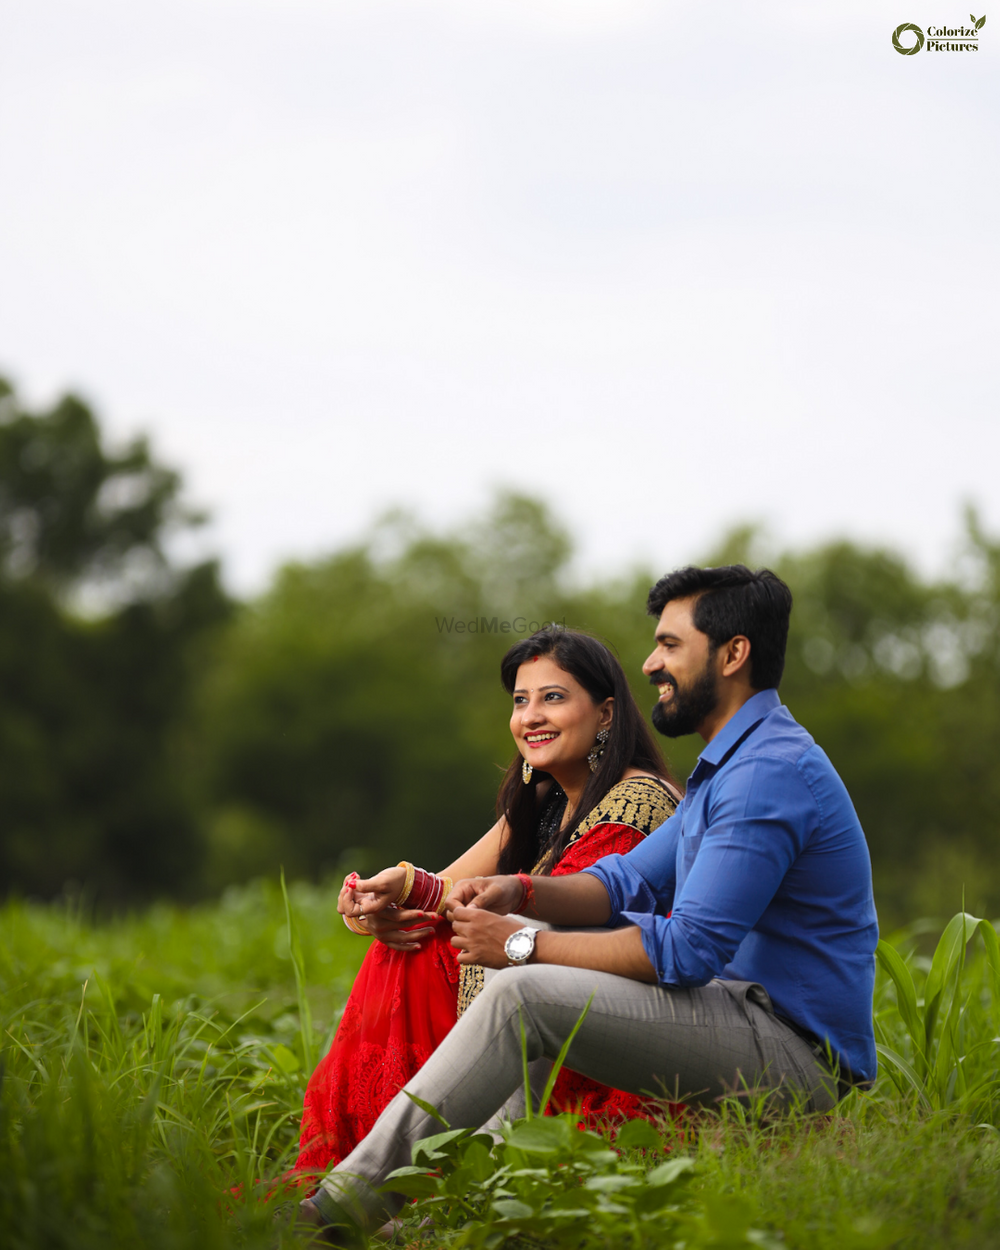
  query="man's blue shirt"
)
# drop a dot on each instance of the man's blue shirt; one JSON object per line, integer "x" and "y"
{"x": 765, "y": 872}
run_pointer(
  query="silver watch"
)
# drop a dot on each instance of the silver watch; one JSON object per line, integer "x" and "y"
{"x": 519, "y": 946}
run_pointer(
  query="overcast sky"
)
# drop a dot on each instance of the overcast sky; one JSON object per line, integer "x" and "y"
{"x": 668, "y": 266}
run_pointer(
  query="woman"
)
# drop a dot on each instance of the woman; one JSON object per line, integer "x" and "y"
{"x": 588, "y": 780}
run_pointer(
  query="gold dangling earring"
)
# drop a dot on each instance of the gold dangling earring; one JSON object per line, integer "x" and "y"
{"x": 526, "y": 771}
{"x": 597, "y": 750}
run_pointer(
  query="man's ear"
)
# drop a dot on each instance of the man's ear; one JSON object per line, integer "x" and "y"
{"x": 736, "y": 657}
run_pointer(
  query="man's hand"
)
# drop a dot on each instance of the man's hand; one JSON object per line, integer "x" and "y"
{"x": 480, "y": 935}
{"x": 501, "y": 895}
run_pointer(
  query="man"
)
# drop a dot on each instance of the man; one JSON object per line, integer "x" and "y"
{"x": 733, "y": 949}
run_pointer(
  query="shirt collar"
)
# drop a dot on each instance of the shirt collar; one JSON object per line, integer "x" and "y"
{"x": 748, "y": 717}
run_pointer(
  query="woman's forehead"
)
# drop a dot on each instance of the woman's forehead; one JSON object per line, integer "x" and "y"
{"x": 543, "y": 670}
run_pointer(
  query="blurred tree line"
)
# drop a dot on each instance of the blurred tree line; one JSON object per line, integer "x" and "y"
{"x": 156, "y": 738}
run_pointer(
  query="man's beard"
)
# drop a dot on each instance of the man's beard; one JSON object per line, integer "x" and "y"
{"x": 688, "y": 708}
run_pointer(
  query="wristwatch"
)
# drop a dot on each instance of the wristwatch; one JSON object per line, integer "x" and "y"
{"x": 519, "y": 946}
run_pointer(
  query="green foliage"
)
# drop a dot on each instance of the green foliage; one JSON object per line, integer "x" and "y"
{"x": 91, "y": 784}
{"x": 153, "y": 1063}
{"x": 549, "y": 1183}
{"x": 348, "y": 721}
{"x": 68, "y": 509}
{"x": 944, "y": 1056}
{"x": 352, "y": 715}
{"x": 354, "y": 709}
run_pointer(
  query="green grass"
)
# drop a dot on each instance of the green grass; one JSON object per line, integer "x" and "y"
{"x": 152, "y": 1064}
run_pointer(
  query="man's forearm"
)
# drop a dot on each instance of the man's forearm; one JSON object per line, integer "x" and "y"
{"x": 619, "y": 951}
{"x": 577, "y": 900}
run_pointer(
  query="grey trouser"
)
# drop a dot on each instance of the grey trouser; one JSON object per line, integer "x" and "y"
{"x": 688, "y": 1044}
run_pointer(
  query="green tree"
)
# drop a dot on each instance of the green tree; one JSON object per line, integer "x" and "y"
{"x": 90, "y": 785}
{"x": 357, "y": 713}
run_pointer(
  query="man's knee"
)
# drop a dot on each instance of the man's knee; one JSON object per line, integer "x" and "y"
{"x": 545, "y": 997}
{"x": 512, "y": 988}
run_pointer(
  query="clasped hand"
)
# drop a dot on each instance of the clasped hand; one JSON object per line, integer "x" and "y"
{"x": 374, "y": 901}
{"x": 478, "y": 909}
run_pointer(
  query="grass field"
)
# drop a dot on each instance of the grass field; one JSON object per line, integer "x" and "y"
{"x": 152, "y": 1064}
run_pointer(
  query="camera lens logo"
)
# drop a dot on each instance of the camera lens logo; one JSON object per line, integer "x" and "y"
{"x": 902, "y": 30}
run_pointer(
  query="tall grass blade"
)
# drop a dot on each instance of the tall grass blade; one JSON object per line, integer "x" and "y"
{"x": 299, "y": 968}
{"x": 906, "y": 998}
{"x": 528, "y": 1109}
{"x": 948, "y": 955}
{"x": 550, "y": 1084}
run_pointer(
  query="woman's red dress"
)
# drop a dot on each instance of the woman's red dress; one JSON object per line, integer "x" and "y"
{"x": 402, "y": 1006}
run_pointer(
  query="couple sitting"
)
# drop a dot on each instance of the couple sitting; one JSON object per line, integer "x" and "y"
{"x": 728, "y": 946}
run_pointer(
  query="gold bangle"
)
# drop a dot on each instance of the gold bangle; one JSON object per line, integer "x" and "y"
{"x": 411, "y": 872}
{"x": 449, "y": 885}
{"x": 356, "y": 926}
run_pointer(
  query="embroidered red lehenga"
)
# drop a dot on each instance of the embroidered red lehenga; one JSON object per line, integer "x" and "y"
{"x": 403, "y": 1004}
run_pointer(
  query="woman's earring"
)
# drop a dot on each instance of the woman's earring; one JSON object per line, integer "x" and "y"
{"x": 597, "y": 750}
{"x": 526, "y": 771}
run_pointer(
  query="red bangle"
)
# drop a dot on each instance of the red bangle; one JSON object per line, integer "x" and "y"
{"x": 528, "y": 895}
{"x": 429, "y": 891}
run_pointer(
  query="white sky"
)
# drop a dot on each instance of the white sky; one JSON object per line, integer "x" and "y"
{"x": 667, "y": 265}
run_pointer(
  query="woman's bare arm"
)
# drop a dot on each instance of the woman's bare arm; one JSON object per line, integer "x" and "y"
{"x": 481, "y": 859}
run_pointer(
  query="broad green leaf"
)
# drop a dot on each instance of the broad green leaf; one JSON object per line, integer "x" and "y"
{"x": 638, "y": 1135}
{"x": 981, "y": 23}
{"x": 478, "y": 1159}
{"x": 544, "y": 1135}
{"x": 512, "y": 1209}
{"x": 668, "y": 1172}
{"x": 411, "y": 1182}
{"x": 432, "y": 1149}
{"x": 609, "y": 1184}
{"x": 285, "y": 1059}
{"x": 654, "y": 1198}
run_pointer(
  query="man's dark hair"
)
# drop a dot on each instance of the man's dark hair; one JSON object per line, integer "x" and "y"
{"x": 734, "y": 600}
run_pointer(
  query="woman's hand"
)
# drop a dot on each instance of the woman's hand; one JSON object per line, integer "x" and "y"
{"x": 374, "y": 902}
{"x": 389, "y": 926}
{"x": 480, "y": 936}
{"x": 364, "y": 898}
{"x": 497, "y": 894}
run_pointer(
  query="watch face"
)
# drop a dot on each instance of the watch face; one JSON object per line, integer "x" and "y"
{"x": 519, "y": 945}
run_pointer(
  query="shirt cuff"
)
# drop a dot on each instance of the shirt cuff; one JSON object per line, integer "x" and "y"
{"x": 648, "y": 926}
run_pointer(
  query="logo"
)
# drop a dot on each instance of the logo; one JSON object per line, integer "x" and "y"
{"x": 902, "y": 30}
{"x": 938, "y": 38}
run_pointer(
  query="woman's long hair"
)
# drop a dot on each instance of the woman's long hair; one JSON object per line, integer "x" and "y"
{"x": 630, "y": 742}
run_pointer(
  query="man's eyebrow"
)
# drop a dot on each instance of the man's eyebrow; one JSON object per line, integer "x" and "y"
{"x": 522, "y": 690}
{"x": 665, "y": 636}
